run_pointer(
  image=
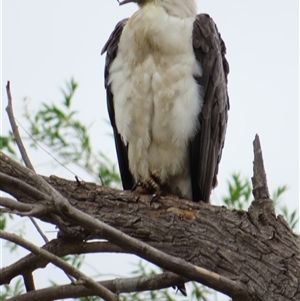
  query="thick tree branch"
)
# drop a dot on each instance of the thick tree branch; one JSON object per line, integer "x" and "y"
{"x": 233, "y": 247}
{"x": 171, "y": 263}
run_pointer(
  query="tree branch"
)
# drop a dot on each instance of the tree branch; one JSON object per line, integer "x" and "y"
{"x": 118, "y": 285}
{"x": 235, "y": 245}
{"x": 170, "y": 263}
{"x": 14, "y": 205}
{"x": 59, "y": 247}
{"x": 18, "y": 188}
{"x": 29, "y": 282}
{"x": 139, "y": 248}
{"x": 14, "y": 127}
{"x": 87, "y": 281}
{"x": 259, "y": 179}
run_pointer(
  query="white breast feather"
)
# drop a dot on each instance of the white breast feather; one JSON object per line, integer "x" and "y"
{"x": 156, "y": 98}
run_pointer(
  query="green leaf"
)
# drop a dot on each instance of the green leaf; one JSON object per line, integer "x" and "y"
{"x": 291, "y": 219}
{"x": 278, "y": 193}
{"x": 239, "y": 192}
{"x": 5, "y": 144}
{"x": 2, "y": 221}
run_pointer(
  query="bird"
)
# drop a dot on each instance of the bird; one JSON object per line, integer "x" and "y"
{"x": 167, "y": 98}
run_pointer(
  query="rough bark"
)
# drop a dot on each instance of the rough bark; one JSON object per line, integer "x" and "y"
{"x": 256, "y": 248}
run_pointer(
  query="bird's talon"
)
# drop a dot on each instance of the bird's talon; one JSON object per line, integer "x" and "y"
{"x": 154, "y": 198}
{"x": 136, "y": 185}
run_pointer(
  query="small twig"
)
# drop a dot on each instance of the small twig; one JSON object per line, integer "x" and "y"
{"x": 14, "y": 205}
{"x": 28, "y": 176}
{"x": 25, "y": 157}
{"x": 14, "y": 127}
{"x": 17, "y": 187}
{"x": 23, "y": 209}
{"x": 29, "y": 282}
{"x": 259, "y": 179}
{"x": 45, "y": 238}
{"x": 87, "y": 281}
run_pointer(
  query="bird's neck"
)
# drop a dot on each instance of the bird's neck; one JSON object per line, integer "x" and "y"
{"x": 175, "y": 8}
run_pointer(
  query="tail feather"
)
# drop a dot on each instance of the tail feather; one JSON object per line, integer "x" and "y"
{"x": 181, "y": 287}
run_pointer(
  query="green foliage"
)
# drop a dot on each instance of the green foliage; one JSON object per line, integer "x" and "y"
{"x": 12, "y": 290}
{"x": 278, "y": 193}
{"x": 6, "y": 144}
{"x": 12, "y": 246}
{"x": 239, "y": 192}
{"x": 199, "y": 292}
{"x": 3, "y": 221}
{"x": 89, "y": 299}
{"x": 239, "y": 197}
{"x": 75, "y": 260}
{"x": 108, "y": 172}
{"x": 58, "y": 127}
{"x": 291, "y": 218}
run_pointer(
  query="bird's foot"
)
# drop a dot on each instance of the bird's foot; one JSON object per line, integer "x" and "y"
{"x": 142, "y": 187}
{"x": 151, "y": 186}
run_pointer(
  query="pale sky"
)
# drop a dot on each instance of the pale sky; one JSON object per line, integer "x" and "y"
{"x": 45, "y": 43}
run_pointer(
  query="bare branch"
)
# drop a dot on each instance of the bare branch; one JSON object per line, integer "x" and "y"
{"x": 14, "y": 205}
{"x": 42, "y": 211}
{"x": 25, "y": 157}
{"x": 259, "y": 179}
{"x": 29, "y": 282}
{"x": 87, "y": 281}
{"x": 60, "y": 247}
{"x": 14, "y": 127}
{"x": 18, "y": 171}
{"x": 24, "y": 209}
{"x": 118, "y": 285}
{"x": 18, "y": 188}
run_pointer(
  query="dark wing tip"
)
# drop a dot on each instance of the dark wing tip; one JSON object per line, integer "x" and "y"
{"x": 206, "y": 147}
{"x": 116, "y": 33}
{"x": 111, "y": 47}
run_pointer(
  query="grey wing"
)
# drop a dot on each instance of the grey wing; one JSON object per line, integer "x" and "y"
{"x": 111, "y": 49}
{"x": 206, "y": 147}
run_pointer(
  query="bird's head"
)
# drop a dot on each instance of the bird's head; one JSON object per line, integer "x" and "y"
{"x": 138, "y": 2}
{"x": 178, "y": 8}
